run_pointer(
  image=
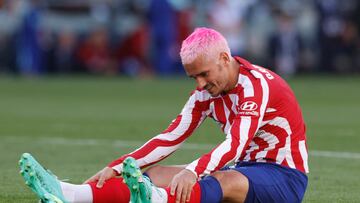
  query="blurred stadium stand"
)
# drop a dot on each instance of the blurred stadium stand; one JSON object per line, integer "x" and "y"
{"x": 143, "y": 37}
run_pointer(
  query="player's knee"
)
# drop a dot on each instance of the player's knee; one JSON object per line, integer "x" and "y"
{"x": 156, "y": 175}
{"x": 161, "y": 176}
{"x": 153, "y": 172}
{"x": 234, "y": 185}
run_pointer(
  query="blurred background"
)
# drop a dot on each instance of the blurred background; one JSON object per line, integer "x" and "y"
{"x": 142, "y": 38}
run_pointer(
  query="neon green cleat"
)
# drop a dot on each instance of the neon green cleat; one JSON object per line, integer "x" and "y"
{"x": 140, "y": 186}
{"x": 50, "y": 198}
{"x": 42, "y": 182}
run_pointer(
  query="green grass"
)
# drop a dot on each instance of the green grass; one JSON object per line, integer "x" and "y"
{"x": 75, "y": 125}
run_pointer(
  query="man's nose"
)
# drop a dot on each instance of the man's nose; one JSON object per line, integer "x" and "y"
{"x": 201, "y": 82}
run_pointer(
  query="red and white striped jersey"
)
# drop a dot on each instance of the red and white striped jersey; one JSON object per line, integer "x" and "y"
{"x": 260, "y": 117}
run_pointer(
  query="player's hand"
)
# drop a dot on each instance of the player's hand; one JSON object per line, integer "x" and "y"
{"x": 182, "y": 184}
{"x": 101, "y": 176}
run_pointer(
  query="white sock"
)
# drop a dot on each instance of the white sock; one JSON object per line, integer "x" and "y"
{"x": 159, "y": 195}
{"x": 77, "y": 193}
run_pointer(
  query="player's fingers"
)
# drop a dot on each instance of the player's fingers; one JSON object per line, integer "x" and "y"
{"x": 173, "y": 187}
{"x": 101, "y": 181}
{"x": 184, "y": 194}
{"x": 179, "y": 191}
{"x": 188, "y": 193}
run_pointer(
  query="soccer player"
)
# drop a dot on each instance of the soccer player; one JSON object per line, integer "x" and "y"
{"x": 263, "y": 157}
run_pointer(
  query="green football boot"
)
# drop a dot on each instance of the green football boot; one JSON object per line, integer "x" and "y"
{"x": 140, "y": 186}
{"x": 41, "y": 181}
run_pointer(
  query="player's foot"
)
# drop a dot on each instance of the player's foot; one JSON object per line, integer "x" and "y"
{"x": 45, "y": 185}
{"x": 140, "y": 186}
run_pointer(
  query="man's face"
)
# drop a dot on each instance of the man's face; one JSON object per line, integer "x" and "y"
{"x": 211, "y": 75}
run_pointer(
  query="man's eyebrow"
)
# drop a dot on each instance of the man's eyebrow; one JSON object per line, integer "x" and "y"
{"x": 195, "y": 75}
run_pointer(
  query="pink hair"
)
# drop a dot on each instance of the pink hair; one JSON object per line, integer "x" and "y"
{"x": 204, "y": 42}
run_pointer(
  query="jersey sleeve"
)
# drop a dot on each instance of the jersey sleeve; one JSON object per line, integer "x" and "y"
{"x": 165, "y": 143}
{"x": 250, "y": 112}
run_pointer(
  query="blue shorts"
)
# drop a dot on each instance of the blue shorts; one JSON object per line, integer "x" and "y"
{"x": 270, "y": 182}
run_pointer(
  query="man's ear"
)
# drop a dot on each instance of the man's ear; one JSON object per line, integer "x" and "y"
{"x": 224, "y": 58}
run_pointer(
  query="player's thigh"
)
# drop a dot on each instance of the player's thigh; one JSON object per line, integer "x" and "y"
{"x": 161, "y": 176}
{"x": 268, "y": 182}
{"x": 234, "y": 185}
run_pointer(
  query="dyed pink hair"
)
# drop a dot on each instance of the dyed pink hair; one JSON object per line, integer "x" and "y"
{"x": 203, "y": 42}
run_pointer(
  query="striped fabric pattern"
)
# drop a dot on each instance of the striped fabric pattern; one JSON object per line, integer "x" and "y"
{"x": 260, "y": 118}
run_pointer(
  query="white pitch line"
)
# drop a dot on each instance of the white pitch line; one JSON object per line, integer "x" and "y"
{"x": 134, "y": 144}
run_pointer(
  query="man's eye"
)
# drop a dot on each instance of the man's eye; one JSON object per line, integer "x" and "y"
{"x": 204, "y": 74}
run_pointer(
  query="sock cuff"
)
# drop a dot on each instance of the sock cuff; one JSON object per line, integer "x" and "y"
{"x": 194, "y": 198}
{"x": 114, "y": 190}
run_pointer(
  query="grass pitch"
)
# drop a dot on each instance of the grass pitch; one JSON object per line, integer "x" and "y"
{"x": 75, "y": 126}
